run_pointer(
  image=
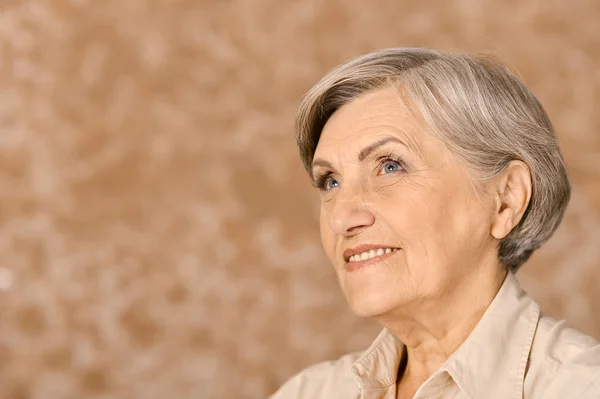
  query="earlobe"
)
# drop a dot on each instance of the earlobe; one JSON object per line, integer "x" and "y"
{"x": 503, "y": 224}
{"x": 513, "y": 195}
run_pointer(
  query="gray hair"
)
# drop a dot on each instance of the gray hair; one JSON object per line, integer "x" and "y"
{"x": 477, "y": 108}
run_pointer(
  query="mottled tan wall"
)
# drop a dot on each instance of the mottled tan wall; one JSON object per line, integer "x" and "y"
{"x": 158, "y": 236}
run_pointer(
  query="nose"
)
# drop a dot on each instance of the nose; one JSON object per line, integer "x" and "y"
{"x": 350, "y": 217}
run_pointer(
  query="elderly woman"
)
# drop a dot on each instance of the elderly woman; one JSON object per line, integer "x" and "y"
{"x": 439, "y": 175}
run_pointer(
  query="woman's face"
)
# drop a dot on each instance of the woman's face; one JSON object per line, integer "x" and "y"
{"x": 399, "y": 220}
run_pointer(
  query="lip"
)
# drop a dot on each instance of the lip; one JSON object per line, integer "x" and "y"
{"x": 353, "y": 266}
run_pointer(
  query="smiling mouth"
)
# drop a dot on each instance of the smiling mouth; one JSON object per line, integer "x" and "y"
{"x": 371, "y": 254}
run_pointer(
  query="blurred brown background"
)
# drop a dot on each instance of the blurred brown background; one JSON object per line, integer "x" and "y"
{"x": 158, "y": 235}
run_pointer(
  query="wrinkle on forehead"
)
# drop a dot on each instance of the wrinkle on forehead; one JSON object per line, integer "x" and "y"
{"x": 373, "y": 115}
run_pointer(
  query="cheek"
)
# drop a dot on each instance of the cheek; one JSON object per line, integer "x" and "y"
{"x": 443, "y": 222}
{"x": 420, "y": 216}
{"x": 405, "y": 207}
{"x": 327, "y": 235}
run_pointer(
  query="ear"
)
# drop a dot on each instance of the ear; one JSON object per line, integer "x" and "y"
{"x": 513, "y": 192}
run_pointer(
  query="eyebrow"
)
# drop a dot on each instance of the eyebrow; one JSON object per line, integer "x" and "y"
{"x": 321, "y": 162}
{"x": 363, "y": 154}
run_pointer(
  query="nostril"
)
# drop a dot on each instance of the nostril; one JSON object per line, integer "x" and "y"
{"x": 349, "y": 219}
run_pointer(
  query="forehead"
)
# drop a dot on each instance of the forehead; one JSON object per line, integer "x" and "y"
{"x": 369, "y": 117}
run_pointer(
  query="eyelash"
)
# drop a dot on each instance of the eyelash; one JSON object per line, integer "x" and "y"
{"x": 321, "y": 180}
{"x": 387, "y": 158}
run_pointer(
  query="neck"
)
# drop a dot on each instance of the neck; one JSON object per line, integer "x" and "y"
{"x": 433, "y": 329}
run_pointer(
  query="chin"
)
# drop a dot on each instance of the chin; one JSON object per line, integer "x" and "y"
{"x": 372, "y": 292}
{"x": 370, "y": 303}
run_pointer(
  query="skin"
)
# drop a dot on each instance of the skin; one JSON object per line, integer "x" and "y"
{"x": 415, "y": 196}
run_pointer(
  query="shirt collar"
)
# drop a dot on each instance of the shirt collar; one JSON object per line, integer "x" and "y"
{"x": 492, "y": 359}
{"x": 494, "y": 356}
{"x": 378, "y": 366}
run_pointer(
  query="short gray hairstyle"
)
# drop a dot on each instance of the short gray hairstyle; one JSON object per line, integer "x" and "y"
{"x": 477, "y": 108}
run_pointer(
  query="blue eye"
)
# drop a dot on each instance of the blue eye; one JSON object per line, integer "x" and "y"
{"x": 331, "y": 183}
{"x": 325, "y": 182}
{"x": 390, "y": 167}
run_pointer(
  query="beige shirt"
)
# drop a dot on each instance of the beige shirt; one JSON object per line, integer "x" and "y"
{"x": 513, "y": 352}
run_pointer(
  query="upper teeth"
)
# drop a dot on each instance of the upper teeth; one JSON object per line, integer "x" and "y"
{"x": 371, "y": 254}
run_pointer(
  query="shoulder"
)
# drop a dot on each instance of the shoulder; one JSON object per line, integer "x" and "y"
{"x": 561, "y": 344}
{"x": 564, "y": 361}
{"x": 331, "y": 379}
